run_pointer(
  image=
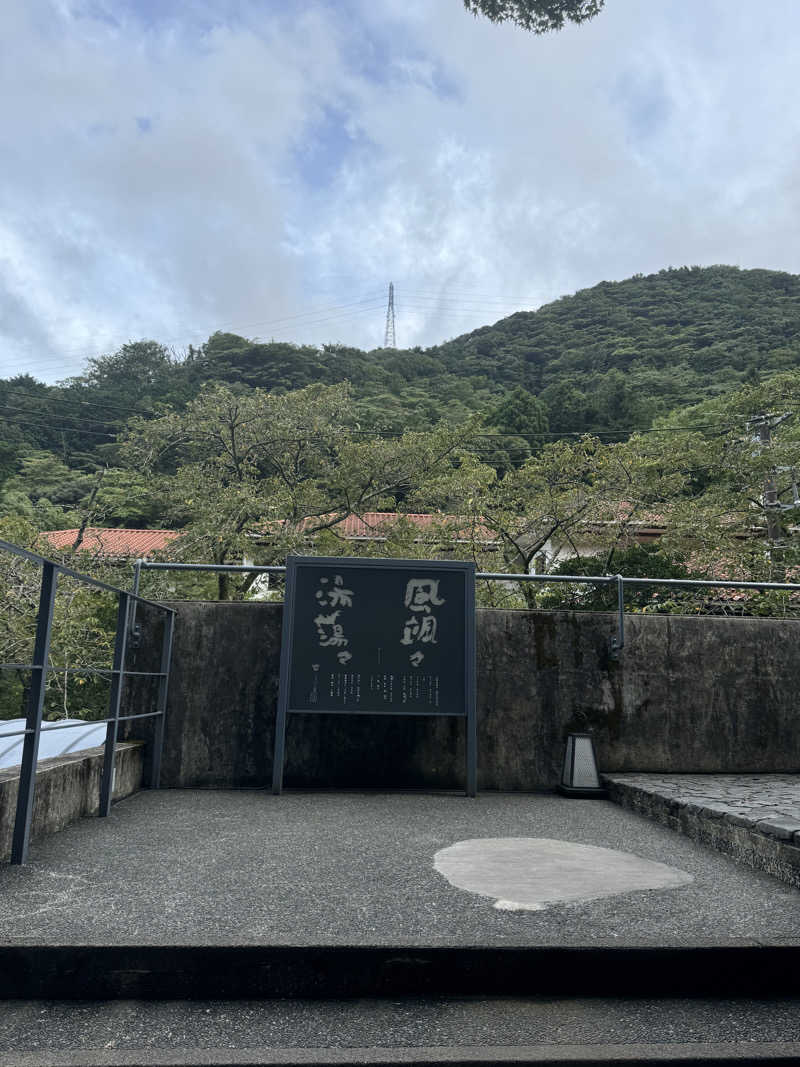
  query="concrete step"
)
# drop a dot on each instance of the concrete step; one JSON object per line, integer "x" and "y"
{"x": 249, "y": 971}
{"x": 398, "y": 1031}
{"x": 661, "y": 1055}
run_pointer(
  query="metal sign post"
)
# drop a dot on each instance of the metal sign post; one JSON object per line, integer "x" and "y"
{"x": 378, "y": 637}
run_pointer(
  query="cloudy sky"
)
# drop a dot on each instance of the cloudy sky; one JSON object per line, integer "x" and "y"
{"x": 173, "y": 167}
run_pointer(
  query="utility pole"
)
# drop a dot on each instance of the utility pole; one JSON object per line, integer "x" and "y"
{"x": 389, "y": 338}
{"x": 765, "y": 424}
{"x": 770, "y": 495}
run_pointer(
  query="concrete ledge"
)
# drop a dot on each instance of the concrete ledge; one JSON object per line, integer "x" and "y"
{"x": 220, "y": 972}
{"x": 67, "y": 787}
{"x": 544, "y": 1055}
{"x": 770, "y": 844}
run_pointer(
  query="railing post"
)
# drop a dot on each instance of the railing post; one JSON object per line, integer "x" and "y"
{"x": 117, "y": 682}
{"x": 33, "y": 723}
{"x": 618, "y": 641}
{"x": 137, "y": 576}
{"x": 161, "y": 705}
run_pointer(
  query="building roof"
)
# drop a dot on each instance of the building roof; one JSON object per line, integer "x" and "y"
{"x": 371, "y": 524}
{"x": 139, "y": 544}
{"x": 113, "y": 543}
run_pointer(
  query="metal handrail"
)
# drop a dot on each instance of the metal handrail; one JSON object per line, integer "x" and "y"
{"x": 83, "y": 722}
{"x": 40, "y": 667}
{"x": 504, "y": 576}
{"x": 616, "y": 642}
{"x": 33, "y": 557}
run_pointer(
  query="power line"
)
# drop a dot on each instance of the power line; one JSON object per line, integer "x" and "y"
{"x": 105, "y": 406}
{"x": 220, "y": 327}
{"x": 442, "y": 305}
{"x": 452, "y": 295}
{"x": 478, "y": 294}
{"x": 75, "y": 429}
{"x": 308, "y": 315}
{"x": 551, "y": 435}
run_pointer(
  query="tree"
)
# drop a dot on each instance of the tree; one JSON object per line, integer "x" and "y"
{"x": 521, "y": 419}
{"x": 258, "y": 474}
{"x": 520, "y": 413}
{"x": 636, "y": 561}
{"x": 82, "y": 637}
{"x": 736, "y": 517}
{"x": 45, "y": 491}
{"x": 581, "y": 496}
{"x": 140, "y": 377}
{"x": 538, "y": 16}
{"x": 566, "y": 406}
{"x": 52, "y": 496}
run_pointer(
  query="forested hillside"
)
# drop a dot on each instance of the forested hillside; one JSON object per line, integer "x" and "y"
{"x": 549, "y": 441}
{"x": 607, "y": 360}
{"x": 621, "y": 352}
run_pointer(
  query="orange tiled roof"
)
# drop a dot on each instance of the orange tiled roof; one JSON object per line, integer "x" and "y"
{"x": 370, "y": 523}
{"x": 370, "y": 526}
{"x": 112, "y": 542}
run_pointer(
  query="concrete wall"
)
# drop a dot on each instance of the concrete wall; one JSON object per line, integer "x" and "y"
{"x": 67, "y": 787}
{"x": 688, "y": 694}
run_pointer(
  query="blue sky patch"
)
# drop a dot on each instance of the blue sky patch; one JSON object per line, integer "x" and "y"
{"x": 644, "y": 101}
{"x": 325, "y": 146}
{"x": 101, "y": 129}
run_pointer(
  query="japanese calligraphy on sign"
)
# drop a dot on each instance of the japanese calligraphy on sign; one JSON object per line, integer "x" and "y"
{"x": 330, "y": 630}
{"x": 378, "y": 637}
{"x": 378, "y": 634}
{"x": 422, "y": 595}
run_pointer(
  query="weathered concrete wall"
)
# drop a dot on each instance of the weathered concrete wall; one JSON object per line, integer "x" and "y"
{"x": 67, "y": 787}
{"x": 688, "y": 694}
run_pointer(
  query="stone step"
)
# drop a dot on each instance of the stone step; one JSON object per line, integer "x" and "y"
{"x": 250, "y": 971}
{"x": 417, "y": 1031}
{"x": 752, "y": 818}
{"x": 655, "y": 1055}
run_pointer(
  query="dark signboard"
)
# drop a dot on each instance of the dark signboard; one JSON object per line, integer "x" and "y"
{"x": 377, "y": 637}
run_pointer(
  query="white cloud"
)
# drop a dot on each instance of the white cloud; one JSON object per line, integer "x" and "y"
{"x": 230, "y": 165}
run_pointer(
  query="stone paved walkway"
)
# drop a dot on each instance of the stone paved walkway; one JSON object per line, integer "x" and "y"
{"x": 767, "y": 803}
{"x": 754, "y": 818}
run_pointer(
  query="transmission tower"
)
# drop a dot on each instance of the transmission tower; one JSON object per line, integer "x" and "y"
{"x": 389, "y": 338}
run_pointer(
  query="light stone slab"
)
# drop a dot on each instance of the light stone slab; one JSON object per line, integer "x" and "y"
{"x": 532, "y": 873}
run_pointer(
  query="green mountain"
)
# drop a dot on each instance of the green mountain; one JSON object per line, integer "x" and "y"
{"x": 606, "y": 359}
{"x": 629, "y": 350}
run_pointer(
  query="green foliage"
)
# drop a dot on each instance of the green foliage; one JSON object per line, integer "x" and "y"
{"x": 258, "y": 474}
{"x": 522, "y": 420}
{"x": 52, "y": 495}
{"x": 242, "y": 437}
{"x": 615, "y": 356}
{"x": 537, "y": 16}
{"x": 84, "y": 622}
{"x": 637, "y": 561}
{"x": 604, "y": 361}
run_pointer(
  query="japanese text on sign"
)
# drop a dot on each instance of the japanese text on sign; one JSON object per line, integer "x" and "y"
{"x": 422, "y": 595}
{"x": 330, "y": 630}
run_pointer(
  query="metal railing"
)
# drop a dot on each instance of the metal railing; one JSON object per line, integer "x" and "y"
{"x": 40, "y": 667}
{"x": 616, "y": 642}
